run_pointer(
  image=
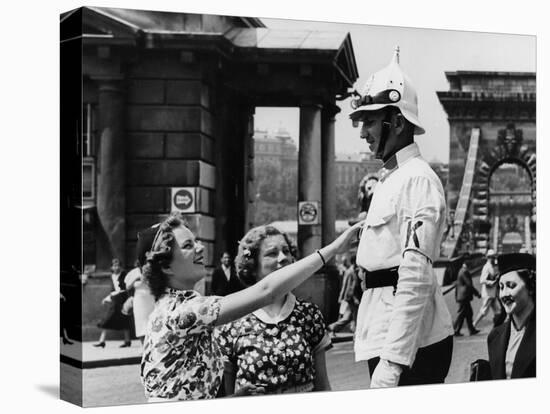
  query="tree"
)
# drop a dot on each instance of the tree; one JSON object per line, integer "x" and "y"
{"x": 268, "y": 180}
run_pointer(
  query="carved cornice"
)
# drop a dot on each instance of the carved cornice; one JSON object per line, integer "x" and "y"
{"x": 462, "y": 106}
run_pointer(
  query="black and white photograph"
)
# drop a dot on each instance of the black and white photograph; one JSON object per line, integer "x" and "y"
{"x": 256, "y": 202}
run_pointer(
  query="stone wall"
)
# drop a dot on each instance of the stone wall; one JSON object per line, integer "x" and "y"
{"x": 170, "y": 143}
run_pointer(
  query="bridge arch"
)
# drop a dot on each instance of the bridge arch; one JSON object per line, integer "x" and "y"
{"x": 505, "y": 152}
{"x": 492, "y": 120}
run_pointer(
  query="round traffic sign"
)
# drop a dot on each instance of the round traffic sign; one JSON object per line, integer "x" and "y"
{"x": 183, "y": 199}
{"x": 308, "y": 212}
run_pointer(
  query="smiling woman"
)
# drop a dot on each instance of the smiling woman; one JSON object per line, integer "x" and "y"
{"x": 279, "y": 348}
{"x": 512, "y": 345}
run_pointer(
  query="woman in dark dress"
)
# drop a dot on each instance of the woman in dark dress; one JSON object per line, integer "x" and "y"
{"x": 279, "y": 348}
{"x": 512, "y": 345}
{"x": 115, "y": 319}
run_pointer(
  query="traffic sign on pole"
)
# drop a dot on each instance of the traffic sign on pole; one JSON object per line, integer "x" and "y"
{"x": 308, "y": 212}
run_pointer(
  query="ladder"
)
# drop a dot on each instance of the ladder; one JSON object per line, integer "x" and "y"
{"x": 449, "y": 244}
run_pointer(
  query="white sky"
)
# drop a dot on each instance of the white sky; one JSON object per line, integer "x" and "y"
{"x": 425, "y": 55}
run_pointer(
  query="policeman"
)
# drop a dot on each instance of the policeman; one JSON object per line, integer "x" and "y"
{"x": 404, "y": 329}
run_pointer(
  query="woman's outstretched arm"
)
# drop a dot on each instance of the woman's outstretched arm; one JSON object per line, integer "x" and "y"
{"x": 283, "y": 280}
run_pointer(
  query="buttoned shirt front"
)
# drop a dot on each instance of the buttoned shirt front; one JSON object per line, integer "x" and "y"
{"x": 516, "y": 336}
{"x": 227, "y": 271}
{"x": 403, "y": 228}
{"x": 114, "y": 279}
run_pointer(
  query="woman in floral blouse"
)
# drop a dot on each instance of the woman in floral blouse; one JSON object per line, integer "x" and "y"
{"x": 181, "y": 359}
{"x": 281, "y": 347}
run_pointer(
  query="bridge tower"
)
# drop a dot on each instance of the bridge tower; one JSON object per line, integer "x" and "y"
{"x": 492, "y": 119}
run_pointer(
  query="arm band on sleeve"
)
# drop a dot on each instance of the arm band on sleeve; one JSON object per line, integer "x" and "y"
{"x": 322, "y": 258}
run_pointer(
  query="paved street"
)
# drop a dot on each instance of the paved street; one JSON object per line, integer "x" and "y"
{"x": 120, "y": 384}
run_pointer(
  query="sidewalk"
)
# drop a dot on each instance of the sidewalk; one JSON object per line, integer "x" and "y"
{"x": 85, "y": 355}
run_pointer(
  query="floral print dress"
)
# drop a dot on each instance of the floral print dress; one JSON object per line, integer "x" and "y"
{"x": 275, "y": 353}
{"x": 181, "y": 361}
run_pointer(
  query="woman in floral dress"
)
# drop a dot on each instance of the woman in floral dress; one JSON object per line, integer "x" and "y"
{"x": 181, "y": 359}
{"x": 279, "y": 348}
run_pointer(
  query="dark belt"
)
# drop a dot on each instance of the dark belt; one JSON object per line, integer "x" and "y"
{"x": 382, "y": 278}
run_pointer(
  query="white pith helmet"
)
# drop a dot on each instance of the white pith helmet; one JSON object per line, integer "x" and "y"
{"x": 389, "y": 87}
{"x": 491, "y": 253}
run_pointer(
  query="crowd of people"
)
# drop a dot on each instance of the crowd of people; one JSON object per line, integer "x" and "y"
{"x": 253, "y": 336}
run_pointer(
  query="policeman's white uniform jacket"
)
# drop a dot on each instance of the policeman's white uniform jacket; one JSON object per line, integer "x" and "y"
{"x": 404, "y": 226}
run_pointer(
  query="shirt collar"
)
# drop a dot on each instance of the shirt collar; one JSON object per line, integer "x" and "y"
{"x": 398, "y": 159}
{"x": 286, "y": 310}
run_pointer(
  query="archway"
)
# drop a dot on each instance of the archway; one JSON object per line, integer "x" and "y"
{"x": 510, "y": 208}
{"x": 511, "y": 196}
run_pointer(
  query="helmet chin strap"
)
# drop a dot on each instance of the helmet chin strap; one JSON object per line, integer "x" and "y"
{"x": 386, "y": 125}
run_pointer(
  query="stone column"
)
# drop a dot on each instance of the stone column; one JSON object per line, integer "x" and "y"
{"x": 111, "y": 199}
{"x": 309, "y": 174}
{"x": 495, "y": 231}
{"x": 328, "y": 212}
{"x": 527, "y": 234}
{"x": 328, "y": 174}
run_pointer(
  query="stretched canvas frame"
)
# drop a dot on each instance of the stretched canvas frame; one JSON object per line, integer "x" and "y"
{"x": 170, "y": 102}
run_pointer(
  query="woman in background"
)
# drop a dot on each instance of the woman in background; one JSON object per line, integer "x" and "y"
{"x": 512, "y": 345}
{"x": 143, "y": 301}
{"x": 115, "y": 319}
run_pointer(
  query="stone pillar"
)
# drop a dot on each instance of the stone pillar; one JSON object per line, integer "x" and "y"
{"x": 111, "y": 199}
{"x": 495, "y": 232}
{"x": 328, "y": 212}
{"x": 527, "y": 234}
{"x": 328, "y": 174}
{"x": 309, "y": 174}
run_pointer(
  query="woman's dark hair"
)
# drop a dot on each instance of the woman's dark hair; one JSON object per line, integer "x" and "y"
{"x": 246, "y": 262}
{"x": 529, "y": 277}
{"x": 524, "y": 265}
{"x": 159, "y": 255}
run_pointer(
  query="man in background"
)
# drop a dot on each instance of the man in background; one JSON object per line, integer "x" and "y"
{"x": 465, "y": 292}
{"x": 224, "y": 277}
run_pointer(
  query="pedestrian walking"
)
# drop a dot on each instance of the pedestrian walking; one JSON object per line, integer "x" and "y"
{"x": 404, "y": 329}
{"x": 279, "y": 348}
{"x": 181, "y": 359}
{"x": 69, "y": 306}
{"x": 224, "y": 277}
{"x": 143, "y": 301}
{"x": 63, "y": 328}
{"x": 366, "y": 190}
{"x": 450, "y": 232}
{"x": 347, "y": 300}
{"x": 114, "y": 318}
{"x": 465, "y": 292}
{"x": 488, "y": 281}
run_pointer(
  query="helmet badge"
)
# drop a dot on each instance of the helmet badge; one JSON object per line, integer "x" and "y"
{"x": 394, "y": 96}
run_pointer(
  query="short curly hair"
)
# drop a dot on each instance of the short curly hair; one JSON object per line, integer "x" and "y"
{"x": 159, "y": 255}
{"x": 246, "y": 262}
